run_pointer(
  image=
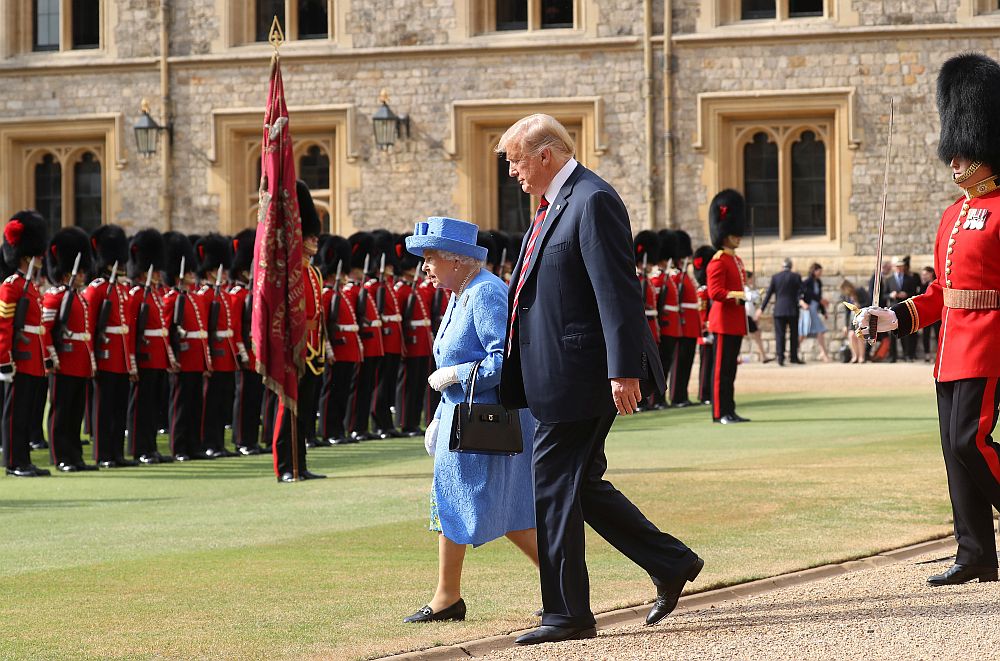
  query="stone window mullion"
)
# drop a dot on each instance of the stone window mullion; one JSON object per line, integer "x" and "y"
{"x": 784, "y": 188}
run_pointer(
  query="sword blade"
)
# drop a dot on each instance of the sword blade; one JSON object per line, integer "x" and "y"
{"x": 877, "y": 281}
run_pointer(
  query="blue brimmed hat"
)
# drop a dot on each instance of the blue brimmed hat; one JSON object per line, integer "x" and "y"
{"x": 449, "y": 234}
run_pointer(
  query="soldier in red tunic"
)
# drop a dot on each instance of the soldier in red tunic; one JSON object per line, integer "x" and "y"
{"x": 436, "y": 301}
{"x": 965, "y": 298}
{"x": 689, "y": 320}
{"x": 666, "y": 308}
{"x": 187, "y": 318}
{"x": 380, "y": 288}
{"x": 146, "y": 258}
{"x": 417, "y": 339}
{"x": 360, "y": 405}
{"x": 114, "y": 346}
{"x": 70, "y": 325}
{"x": 25, "y": 347}
{"x": 706, "y": 340}
{"x": 249, "y": 395}
{"x": 647, "y": 254}
{"x": 726, "y": 279}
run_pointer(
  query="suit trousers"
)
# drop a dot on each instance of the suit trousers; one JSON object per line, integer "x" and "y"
{"x": 185, "y": 412}
{"x": 967, "y": 412}
{"x": 289, "y": 453}
{"x": 217, "y": 410}
{"x": 780, "y": 325}
{"x": 680, "y": 371}
{"x": 339, "y": 381}
{"x": 727, "y": 355}
{"x": 143, "y": 406}
{"x": 16, "y": 433}
{"x": 359, "y": 409}
{"x": 385, "y": 396}
{"x": 67, "y": 398}
{"x": 410, "y": 392}
{"x": 246, "y": 408}
{"x": 668, "y": 349}
{"x": 706, "y": 366}
{"x": 109, "y": 402}
{"x": 570, "y": 490}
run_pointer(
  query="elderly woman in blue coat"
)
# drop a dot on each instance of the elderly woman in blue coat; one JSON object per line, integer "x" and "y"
{"x": 475, "y": 498}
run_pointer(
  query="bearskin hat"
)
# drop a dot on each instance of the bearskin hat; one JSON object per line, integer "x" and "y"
{"x": 702, "y": 256}
{"x": 968, "y": 100}
{"x": 488, "y": 241}
{"x": 65, "y": 245}
{"x": 647, "y": 245}
{"x": 194, "y": 238}
{"x": 109, "y": 245}
{"x": 726, "y": 216}
{"x": 243, "y": 244}
{"x": 311, "y": 225}
{"x": 514, "y": 241}
{"x": 362, "y": 245}
{"x": 177, "y": 246}
{"x": 213, "y": 250}
{"x": 385, "y": 244}
{"x": 407, "y": 260}
{"x": 25, "y": 235}
{"x": 668, "y": 245}
{"x": 684, "y": 248}
{"x": 333, "y": 251}
{"x": 145, "y": 249}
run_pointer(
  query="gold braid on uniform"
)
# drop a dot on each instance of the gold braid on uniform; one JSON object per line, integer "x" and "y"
{"x": 982, "y": 188}
{"x": 969, "y": 171}
{"x": 914, "y": 315}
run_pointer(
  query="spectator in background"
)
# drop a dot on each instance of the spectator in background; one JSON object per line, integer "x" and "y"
{"x": 752, "y": 305}
{"x": 813, "y": 306}
{"x": 902, "y": 285}
{"x": 927, "y": 276}
{"x": 883, "y": 298}
{"x": 850, "y": 294}
{"x": 786, "y": 287}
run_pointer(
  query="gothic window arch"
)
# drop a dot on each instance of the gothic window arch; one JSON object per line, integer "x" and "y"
{"x": 87, "y": 191}
{"x": 48, "y": 184}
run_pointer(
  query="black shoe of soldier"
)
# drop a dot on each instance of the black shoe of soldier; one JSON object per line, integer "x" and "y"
{"x": 87, "y": 467}
{"x": 248, "y": 451}
{"x": 164, "y": 458}
{"x": 412, "y": 433}
{"x": 358, "y": 436}
{"x": 126, "y": 463}
{"x": 64, "y": 467}
{"x": 147, "y": 459}
{"x": 40, "y": 472}
{"x": 682, "y": 405}
{"x": 21, "y": 471}
{"x": 322, "y": 443}
{"x": 182, "y": 457}
{"x": 339, "y": 440}
{"x": 287, "y": 477}
{"x": 39, "y": 445}
{"x": 306, "y": 475}
{"x": 84, "y": 441}
{"x": 739, "y": 418}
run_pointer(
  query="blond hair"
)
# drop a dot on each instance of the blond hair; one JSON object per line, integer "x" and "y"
{"x": 535, "y": 133}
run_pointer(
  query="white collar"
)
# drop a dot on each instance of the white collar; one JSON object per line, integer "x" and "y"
{"x": 560, "y": 179}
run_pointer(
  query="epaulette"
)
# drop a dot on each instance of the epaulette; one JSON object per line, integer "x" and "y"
{"x": 349, "y": 285}
{"x": 11, "y": 279}
{"x": 203, "y": 288}
{"x": 134, "y": 290}
{"x": 718, "y": 254}
{"x": 55, "y": 290}
{"x": 97, "y": 283}
{"x": 235, "y": 289}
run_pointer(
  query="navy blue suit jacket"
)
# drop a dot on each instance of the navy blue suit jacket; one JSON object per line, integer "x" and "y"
{"x": 580, "y": 318}
{"x": 786, "y": 287}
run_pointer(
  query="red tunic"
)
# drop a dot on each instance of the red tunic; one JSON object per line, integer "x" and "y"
{"x": 153, "y": 348}
{"x": 225, "y": 355}
{"x": 315, "y": 320}
{"x": 417, "y": 335}
{"x": 667, "y": 305}
{"x": 968, "y": 339}
{"x": 344, "y": 337}
{"x": 240, "y": 314}
{"x": 728, "y": 316}
{"x": 191, "y": 334}
{"x": 75, "y": 344}
{"x": 704, "y": 305}
{"x": 115, "y": 353}
{"x": 690, "y": 318}
{"x": 649, "y": 299}
{"x": 29, "y": 352}
{"x": 392, "y": 320}
{"x": 371, "y": 325}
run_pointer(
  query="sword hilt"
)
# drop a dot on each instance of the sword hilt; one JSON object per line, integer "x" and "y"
{"x": 872, "y": 333}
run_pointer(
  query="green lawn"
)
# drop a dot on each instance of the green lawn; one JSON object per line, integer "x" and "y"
{"x": 217, "y": 560}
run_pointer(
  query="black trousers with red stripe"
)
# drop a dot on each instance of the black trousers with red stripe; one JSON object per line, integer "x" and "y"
{"x": 16, "y": 433}
{"x": 359, "y": 409}
{"x": 680, "y": 372}
{"x": 967, "y": 411}
{"x": 667, "y": 347}
{"x": 67, "y": 399}
{"x": 38, "y": 417}
{"x": 706, "y": 365}
{"x": 109, "y": 414}
{"x": 385, "y": 396}
{"x": 727, "y": 355}
{"x": 410, "y": 392}
{"x": 339, "y": 381}
{"x": 246, "y": 408}
{"x": 217, "y": 409}
{"x": 289, "y": 453}
{"x": 144, "y": 404}
{"x": 185, "y": 412}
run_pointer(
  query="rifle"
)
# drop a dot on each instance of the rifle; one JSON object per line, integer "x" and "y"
{"x": 498, "y": 269}
{"x": 214, "y": 310}
{"x": 680, "y": 288}
{"x": 66, "y": 307}
{"x": 178, "y": 322}
{"x": 143, "y": 320}
{"x": 105, "y": 314}
{"x": 21, "y": 311}
{"x": 331, "y": 321}
{"x": 380, "y": 292}
{"x": 362, "y": 311}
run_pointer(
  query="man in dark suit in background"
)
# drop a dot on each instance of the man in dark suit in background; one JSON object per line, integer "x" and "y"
{"x": 578, "y": 350}
{"x": 902, "y": 285}
{"x": 786, "y": 287}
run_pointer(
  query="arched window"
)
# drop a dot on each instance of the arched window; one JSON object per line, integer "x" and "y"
{"x": 86, "y": 23}
{"x": 314, "y": 168}
{"x": 757, "y": 9}
{"x": 513, "y": 204}
{"x": 760, "y": 182}
{"x": 46, "y": 32}
{"x": 803, "y": 8}
{"x": 266, "y": 11}
{"x": 48, "y": 191}
{"x": 87, "y": 192}
{"x": 808, "y": 185}
{"x": 313, "y": 19}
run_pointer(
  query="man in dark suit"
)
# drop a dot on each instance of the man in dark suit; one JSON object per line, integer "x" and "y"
{"x": 902, "y": 285}
{"x": 786, "y": 287}
{"x": 578, "y": 348}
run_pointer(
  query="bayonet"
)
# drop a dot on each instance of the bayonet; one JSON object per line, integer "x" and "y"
{"x": 218, "y": 278}
{"x": 76, "y": 269}
{"x": 149, "y": 277}
{"x": 180, "y": 275}
{"x": 31, "y": 272}
{"x": 503, "y": 260}
{"x": 368, "y": 259}
{"x": 381, "y": 268}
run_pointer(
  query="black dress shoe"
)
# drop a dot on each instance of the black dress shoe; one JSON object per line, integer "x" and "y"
{"x": 148, "y": 459}
{"x": 226, "y": 452}
{"x": 125, "y": 463}
{"x": 64, "y": 467}
{"x": 40, "y": 472}
{"x": 39, "y": 445}
{"x": 306, "y": 475}
{"x": 22, "y": 471}
{"x": 108, "y": 464}
{"x": 248, "y": 451}
{"x": 730, "y": 419}
{"x": 958, "y": 574}
{"x": 84, "y": 441}
{"x": 660, "y": 407}
{"x": 87, "y": 467}
{"x": 668, "y": 593}
{"x": 164, "y": 458}
{"x": 682, "y": 405}
{"x": 287, "y": 477}
{"x": 181, "y": 457}
{"x": 339, "y": 440}
{"x": 380, "y": 434}
{"x": 739, "y": 418}
{"x": 323, "y": 443}
{"x": 357, "y": 437}
{"x": 454, "y": 612}
{"x": 412, "y": 433}
{"x": 551, "y": 634}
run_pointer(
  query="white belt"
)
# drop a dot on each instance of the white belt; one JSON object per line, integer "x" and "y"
{"x": 155, "y": 332}
{"x": 224, "y": 333}
{"x": 78, "y": 337}
{"x": 348, "y": 328}
{"x": 420, "y": 323}
{"x": 116, "y": 330}
{"x": 392, "y": 317}
{"x": 690, "y": 306}
{"x": 33, "y": 330}
{"x": 195, "y": 335}
{"x": 671, "y": 308}
{"x": 376, "y": 324}
{"x": 650, "y": 313}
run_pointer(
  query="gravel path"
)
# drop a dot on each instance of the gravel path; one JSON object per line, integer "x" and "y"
{"x": 884, "y": 613}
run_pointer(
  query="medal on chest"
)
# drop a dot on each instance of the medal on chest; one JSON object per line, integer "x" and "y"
{"x": 976, "y": 219}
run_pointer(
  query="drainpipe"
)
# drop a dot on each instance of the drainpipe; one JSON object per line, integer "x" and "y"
{"x": 647, "y": 93}
{"x": 166, "y": 160}
{"x": 668, "y": 134}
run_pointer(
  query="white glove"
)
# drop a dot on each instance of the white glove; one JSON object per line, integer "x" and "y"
{"x": 430, "y": 437}
{"x": 7, "y": 377}
{"x": 887, "y": 320}
{"x": 442, "y": 378}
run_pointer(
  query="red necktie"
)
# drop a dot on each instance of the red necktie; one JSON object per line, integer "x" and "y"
{"x": 536, "y": 228}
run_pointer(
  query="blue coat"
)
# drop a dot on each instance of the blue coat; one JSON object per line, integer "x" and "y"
{"x": 581, "y": 319}
{"x": 478, "y": 497}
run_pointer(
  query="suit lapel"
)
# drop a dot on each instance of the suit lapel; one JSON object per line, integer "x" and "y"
{"x": 556, "y": 209}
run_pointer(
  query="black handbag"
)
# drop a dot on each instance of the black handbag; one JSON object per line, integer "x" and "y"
{"x": 485, "y": 428}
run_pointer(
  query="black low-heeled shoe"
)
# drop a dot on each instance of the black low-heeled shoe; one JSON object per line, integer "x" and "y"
{"x": 958, "y": 574}
{"x": 454, "y": 612}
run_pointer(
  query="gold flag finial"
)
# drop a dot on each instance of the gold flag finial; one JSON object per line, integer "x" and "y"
{"x": 144, "y": 106}
{"x": 383, "y": 96}
{"x": 276, "y": 36}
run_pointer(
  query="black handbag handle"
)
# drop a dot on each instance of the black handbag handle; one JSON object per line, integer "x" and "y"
{"x": 472, "y": 387}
